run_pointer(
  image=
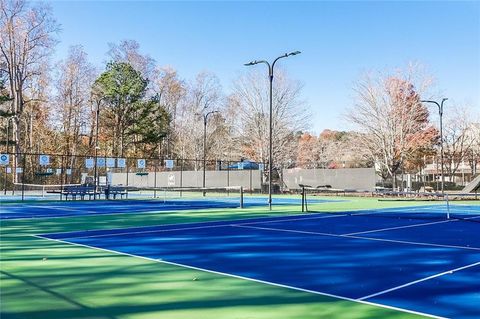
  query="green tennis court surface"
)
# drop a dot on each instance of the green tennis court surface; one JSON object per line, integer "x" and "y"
{"x": 42, "y": 278}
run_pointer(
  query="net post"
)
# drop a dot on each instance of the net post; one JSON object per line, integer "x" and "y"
{"x": 241, "y": 196}
{"x": 448, "y": 206}
{"x": 306, "y": 203}
{"x": 303, "y": 199}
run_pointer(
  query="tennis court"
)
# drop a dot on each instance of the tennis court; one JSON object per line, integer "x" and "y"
{"x": 345, "y": 258}
{"x": 52, "y": 209}
{"x": 366, "y": 256}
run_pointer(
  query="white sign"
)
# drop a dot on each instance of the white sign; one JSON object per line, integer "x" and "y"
{"x": 110, "y": 162}
{"x": 121, "y": 162}
{"x": 4, "y": 159}
{"x": 169, "y": 164}
{"x": 68, "y": 171}
{"x": 19, "y": 170}
{"x": 261, "y": 167}
{"x": 49, "y": 170}
{"x": 141, "y": 163}
{"x": 171, "y": 179}
{"x": 58, "y": 171}
{"x": 101, "y": 162}
{"x": 89, "y": 163}
{"x": 9, "y": 170}
{"x": 44, "y": 160}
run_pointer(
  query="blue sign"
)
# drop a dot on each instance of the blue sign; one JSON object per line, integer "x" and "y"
{"x": 169, "y": 164}
{"x": 121, "y": 162}
{"x": 4, "y": 159}
{"x": 44, "y": 160}
{"x": 110, "y": 162}
{"x": 89, "y": 163}
{"x": 101, "y": 162}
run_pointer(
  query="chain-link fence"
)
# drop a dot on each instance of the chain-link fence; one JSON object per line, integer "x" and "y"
{"x": 46, "y": 175}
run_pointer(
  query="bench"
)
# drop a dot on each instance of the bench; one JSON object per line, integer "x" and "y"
{"x": 80, "y": 191}
{"x": 114, "y": 191}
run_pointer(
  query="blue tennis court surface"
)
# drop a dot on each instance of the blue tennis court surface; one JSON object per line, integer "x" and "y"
{"x": 77, "y": 208}
{"x": 429, "y": 266}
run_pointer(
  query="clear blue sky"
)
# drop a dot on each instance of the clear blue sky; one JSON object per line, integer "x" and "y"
{"x": 339, "y": 41}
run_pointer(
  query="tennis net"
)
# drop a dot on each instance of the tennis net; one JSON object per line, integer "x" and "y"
{"x": 426, "y": 206}
{"x": 39, "y": 190}
{"x": 231, "y": 194}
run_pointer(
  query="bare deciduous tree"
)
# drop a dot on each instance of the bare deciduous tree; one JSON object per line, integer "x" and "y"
{"x": 392, "y": 119}
{"x": 73, "y": 113}
{"x": 128, "y": 51}
{"x": 170, "y": 90}
{"x": 251, "y": 91}
{"x": 457, "y": 139}
{"x": 26, "y": 41}
{"x": 204, "y": 95}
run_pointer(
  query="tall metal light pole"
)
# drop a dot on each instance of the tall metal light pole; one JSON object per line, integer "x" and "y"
{"x": 97, "y": 125}
{"x": 205, "y": 120}
{"x": 270, "y": 146}
{"x": 440, "y": 112}
{"x": 7, "y": 147}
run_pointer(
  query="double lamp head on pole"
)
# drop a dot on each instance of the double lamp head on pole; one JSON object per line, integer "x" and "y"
{"x": 270, "y": 154}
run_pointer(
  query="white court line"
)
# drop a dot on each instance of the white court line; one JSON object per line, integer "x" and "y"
{"x": 96, "y": 213}
{"x": 226, "y": 224}
{"x": 325, "y": 215}
{"x": 246, "y": 278}
{"x": 143, "y": 232}
{"x": 452, "y": 219}
{"x": 397, "y": 227}
{"x": 418, "y": 281}
{"x": 226, "y": 221}
{"x": 359, "y": 237}
{"x": 59, "y": 208}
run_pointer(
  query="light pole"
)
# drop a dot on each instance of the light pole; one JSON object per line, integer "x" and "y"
{"x": 7, "y": 147}
{"x": 205, "y": 120}
{"x": 440, "y": 112}
{"x": 97, "y": 122}
{"x": 270, "y": 146}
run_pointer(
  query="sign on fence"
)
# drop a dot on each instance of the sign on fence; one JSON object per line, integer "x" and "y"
{"x": 101, "y": 162}
{"x": 44, "y": 160}
{"x": 121, "y": 162}
{"x": 89, "y": 163}
{"x": 169, "y": 164}
{"x": 141, "y": 163}
{"x": 171, "y": 179}
{"x": 110, "y": 162}
{"x": 4, "y": 159}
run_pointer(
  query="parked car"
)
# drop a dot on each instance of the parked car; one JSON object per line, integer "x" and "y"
{"x": 244, "y": 165}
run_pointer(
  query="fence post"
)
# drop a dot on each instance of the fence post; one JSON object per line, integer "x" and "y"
{"x": 181, "y": 176}
{"x": 155, "y": 180}
{"x": 126, "y": 167}
{"x": 61, "y": 177}
{"x": 23, "y": 177}
{"x": 251, "y": 181}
